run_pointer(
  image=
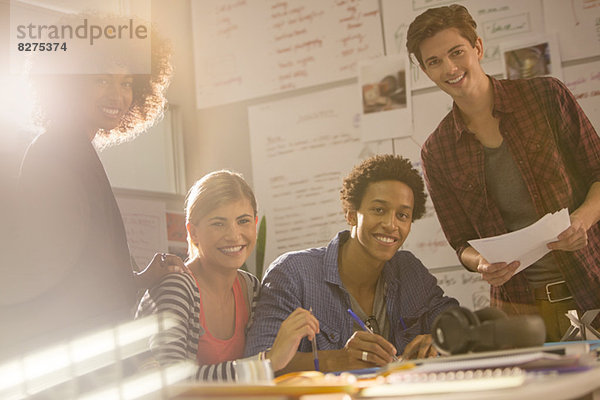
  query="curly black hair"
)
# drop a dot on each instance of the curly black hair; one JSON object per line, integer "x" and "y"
{"x": 149, "y": 89}
{"x": 382, "y": 168}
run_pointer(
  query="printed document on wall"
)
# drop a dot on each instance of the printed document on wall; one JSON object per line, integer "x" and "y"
{"x": 497, "y": 22}
{"x": 302, "y": 148}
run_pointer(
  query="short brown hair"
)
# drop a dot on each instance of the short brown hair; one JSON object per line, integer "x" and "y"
{"x": 435, "y": 20}
{"x": 378, "y": 168}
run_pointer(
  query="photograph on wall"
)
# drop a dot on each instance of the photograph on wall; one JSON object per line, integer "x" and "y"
{"x": 530, "y": 59}
{"x": 385, "y": 98}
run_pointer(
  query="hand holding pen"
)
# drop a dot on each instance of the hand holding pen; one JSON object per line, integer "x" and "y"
{"x": 299, "y": 324}
{"x": 314, "y": 348}
{"x": 373, "y": 347}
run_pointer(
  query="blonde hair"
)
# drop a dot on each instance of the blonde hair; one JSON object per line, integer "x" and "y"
{"x": 211, "y": 191}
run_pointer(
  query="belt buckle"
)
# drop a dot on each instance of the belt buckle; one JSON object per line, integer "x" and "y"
{"x": 548, "y": 292}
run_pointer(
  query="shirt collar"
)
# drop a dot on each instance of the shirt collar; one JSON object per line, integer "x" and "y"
{"x": 503, "y": 101}
{"x": 502, "y": 104}
{"x": 332, "y": 273}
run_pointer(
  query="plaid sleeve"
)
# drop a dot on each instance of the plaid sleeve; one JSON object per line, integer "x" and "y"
{"x": 576, "y": 132}
{"x": 450, "y": 213}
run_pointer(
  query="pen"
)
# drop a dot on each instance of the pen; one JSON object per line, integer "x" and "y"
{"x": 314, "y": 349}
{"x": 359, "y": 322}
{"x": 403, "y": 324}
{"x": 364, "y": 327}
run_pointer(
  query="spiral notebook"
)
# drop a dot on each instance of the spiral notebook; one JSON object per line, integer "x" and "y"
{"x": 446, "y": 382}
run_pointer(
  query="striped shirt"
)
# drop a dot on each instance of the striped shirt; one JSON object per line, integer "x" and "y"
{"x": 178, "y": 295}
{"x": 557, "y": 152}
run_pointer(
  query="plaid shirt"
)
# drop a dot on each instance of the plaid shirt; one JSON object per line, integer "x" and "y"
{"x": 310, "y": 279}
{"x": 534, "y": 115}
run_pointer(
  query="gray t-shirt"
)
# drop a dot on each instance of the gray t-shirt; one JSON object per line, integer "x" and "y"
{"x": 378, "y": 321}
{"x": 506, "y": 186}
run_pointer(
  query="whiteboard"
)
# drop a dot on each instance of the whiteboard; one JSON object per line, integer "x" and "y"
{"x": 577, "y": 23}
{"x": 497, "y": 21}
{"x": 146, "y": 228}
{"x": 426, "y": 239}
{"x": 467, "y": 287}
{"x": 246, "y": 49}
{"x": 302, "y": 148}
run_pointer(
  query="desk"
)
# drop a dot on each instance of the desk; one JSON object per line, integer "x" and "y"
{"x": 570, "y": 386}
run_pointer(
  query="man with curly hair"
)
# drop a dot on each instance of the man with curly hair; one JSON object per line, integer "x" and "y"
{"x": 509, "y": 152}
{"x": 73, "y": 273}
{"x": 363, "y": 270}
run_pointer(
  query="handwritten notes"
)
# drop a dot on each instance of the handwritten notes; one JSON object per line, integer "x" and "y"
{"x": 426, "y": 239}
{"x": 496, "y": 22}
{"x": 467, "y": 287}
{"x": 146, "y": 228}
{"x": 578, "y": 25}
{"x": 301, "y": 150}
{"x": 246, "y": 49}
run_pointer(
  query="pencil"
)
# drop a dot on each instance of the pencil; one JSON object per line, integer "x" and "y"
{"x": 314, "y": 349}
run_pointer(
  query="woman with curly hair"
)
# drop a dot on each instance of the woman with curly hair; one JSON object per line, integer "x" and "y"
{"x": 75, "y": 272}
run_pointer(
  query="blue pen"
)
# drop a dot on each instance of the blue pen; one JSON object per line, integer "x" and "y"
{"x": 403, "y": 324}
{"x": 359, "y": 322}
{"x": 314, "y": 349}
{"x": 364, "y": 327}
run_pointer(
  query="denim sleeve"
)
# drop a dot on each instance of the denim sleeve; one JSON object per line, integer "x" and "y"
{"x": 279, "y": 297}
{"x": 420, "y": 300}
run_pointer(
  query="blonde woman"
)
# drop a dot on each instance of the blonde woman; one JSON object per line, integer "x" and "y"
{"x": 214, "y": 305}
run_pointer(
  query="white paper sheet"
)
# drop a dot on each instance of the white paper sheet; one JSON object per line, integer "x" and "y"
{"x": 526, "y": 245}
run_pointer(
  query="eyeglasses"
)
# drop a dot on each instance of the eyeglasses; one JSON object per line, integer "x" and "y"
{"x": 372, "y": 324}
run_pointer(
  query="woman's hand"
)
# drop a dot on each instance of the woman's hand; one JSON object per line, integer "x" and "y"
{"x": 300, "y": 323}
{"x": 370, "y": 348}
{"x": 161, "y": 265}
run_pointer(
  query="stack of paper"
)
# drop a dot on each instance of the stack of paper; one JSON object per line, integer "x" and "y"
{"x": 526, "y": 245}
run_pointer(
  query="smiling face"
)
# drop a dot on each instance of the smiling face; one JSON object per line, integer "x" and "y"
{"x": 383, "y": 220}
{"x": 103, "y": 101}
{"x": 452, "y": 63}
{"x": 226, "y": 236}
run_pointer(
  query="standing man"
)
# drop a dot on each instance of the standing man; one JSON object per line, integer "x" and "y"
{"x": 507, "y": 153}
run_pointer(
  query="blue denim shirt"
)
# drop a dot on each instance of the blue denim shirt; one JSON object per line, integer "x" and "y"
{"x": 310, "y": 278}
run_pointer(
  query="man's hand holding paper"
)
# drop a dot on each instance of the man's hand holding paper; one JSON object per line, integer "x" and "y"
{"x": 573, "y": 238}
{"x": 527, "y": 245}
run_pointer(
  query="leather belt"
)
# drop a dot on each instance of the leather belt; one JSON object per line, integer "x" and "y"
{"x": 553, "y": 292}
